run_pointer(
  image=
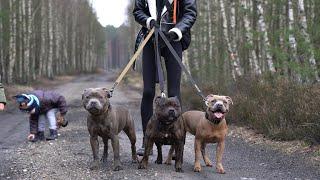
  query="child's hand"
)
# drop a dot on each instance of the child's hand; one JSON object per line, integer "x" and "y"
{"x": 1, "y": 106}
{"x": 31, "y": 137}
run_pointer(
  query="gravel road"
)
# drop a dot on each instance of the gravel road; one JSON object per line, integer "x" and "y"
{"x": 69, "y": 156}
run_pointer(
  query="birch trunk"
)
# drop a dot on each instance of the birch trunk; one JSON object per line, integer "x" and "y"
{"x": 263, "y": 30}
{"x": 73, "y": 37}
{"x": 43, "y": 47}
{"x": 249, "y": 38}
{"x": 1, "y": 49}
{"x": 27, "y": 34}
{"x": 57, "y": 43}
{"x": 235, "y": 71}
{"x": 234, "y": 54}
{"x": 22, "y": 27}
{"x": 293, "y": 42}
{"x": 303, "y": 29}
{"x": 12, "y": 41}
{"x": 50, "y": 29}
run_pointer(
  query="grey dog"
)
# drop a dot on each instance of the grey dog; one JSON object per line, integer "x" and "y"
{"x": 107, "y": 122}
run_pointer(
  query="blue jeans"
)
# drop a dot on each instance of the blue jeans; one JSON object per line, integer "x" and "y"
{"x": 50, "y": 116}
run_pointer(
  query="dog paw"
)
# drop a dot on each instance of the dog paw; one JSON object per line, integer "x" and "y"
{"x": 158, "y": 161}
{"x": 94, "y": 165}
{"x": 179, "y": 170}
{"x": 220, "y": 169}
{"x": 103, "y": 161}
{"x": 168, "y": 162}
{"x": 135, "y": 160}
{"x": 117, "y": 168}
{"x": 197, "y": 168}
{"x": 142, "y": 166}
{"x": 208, "y": 163}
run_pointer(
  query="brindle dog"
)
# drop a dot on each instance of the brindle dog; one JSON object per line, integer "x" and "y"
{"x": 107, "y": 122}
{"x": 165, "y": 128}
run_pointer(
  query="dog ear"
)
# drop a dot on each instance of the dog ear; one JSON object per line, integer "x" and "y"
{"x": 84, "y": 91}
{"x": 176, "y": 99}
{"x": 209, "y": 96}
{"x": 229, "y": 100}
{"x": 158, "y": 100}
{"x": 107, "y": 91}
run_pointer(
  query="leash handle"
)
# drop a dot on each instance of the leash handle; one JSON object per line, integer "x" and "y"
{"x": 179, "y": 60}
{"x": 158, "y": 62}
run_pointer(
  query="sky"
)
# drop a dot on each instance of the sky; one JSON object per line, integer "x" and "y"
{"x": 111, "y": 12}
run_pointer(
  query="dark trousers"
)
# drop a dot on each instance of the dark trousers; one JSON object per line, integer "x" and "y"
{"x": 149, "y": 77}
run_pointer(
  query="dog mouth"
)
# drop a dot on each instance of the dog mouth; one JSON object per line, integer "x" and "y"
{"x": 215, "y": 115}
{"x": 218, "y": 114}
{"x": 93, "y": 110}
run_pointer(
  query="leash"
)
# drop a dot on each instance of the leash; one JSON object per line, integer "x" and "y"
{"x": 179, "y": 60}
{"x": 158, "y": 62}
{"x": 132, "y": 60}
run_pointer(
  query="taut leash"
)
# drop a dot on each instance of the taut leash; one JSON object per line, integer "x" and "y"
{"x": 179, "y": 60}
{"x": 158, "y": 62}
{"x": 133, "y": 58}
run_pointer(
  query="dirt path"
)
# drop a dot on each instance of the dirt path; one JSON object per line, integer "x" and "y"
{"x": 70, "y": 156}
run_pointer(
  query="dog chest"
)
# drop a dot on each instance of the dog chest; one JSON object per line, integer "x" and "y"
{"x": 166, "y": 138}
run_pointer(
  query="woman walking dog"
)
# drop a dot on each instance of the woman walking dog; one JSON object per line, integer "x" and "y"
{"x": 175, "y": 19}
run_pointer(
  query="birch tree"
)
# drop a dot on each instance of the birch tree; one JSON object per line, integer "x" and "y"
{"x": 293, "y": 43}
{"x": 50, "y": 30}
{"x": 303, "y": 30}
{"x": 12, "y": 41}
{"x": 234, "y": 53}
{"x": 263, "y": 30}
{"x": 249, "y": 38}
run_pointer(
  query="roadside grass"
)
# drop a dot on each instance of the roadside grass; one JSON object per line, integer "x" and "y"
{"x": 277, "y": 108}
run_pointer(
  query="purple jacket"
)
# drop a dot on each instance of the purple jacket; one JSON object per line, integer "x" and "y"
{"x": 48, "y": 100}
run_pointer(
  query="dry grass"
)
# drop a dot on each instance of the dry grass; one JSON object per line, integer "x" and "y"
{"x": 277, "y": 108}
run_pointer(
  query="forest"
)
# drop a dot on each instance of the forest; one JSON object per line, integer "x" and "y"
{"x": 264, "y": 54}
{"x": 48, "y": 38}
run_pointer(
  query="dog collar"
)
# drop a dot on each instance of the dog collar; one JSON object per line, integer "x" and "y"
{"x": 212, "y": 121}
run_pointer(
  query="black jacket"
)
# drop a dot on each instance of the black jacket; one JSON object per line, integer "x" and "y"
{"x": 186, "y": 16}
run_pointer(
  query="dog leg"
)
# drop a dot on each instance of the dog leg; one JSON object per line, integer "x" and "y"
{"x": 148, "y": 147}
{"x": 179, "y": 156}
{"x": 169, "y": 158}
{"x": 95, "y": 151}
{"x": 116, "y": 152}
{"x": 197, "y": 149}
{"x": 159, "y": 157}
{"x": 219, "y": 152}
{"x": 132, "y": 137}
{"x": 205, "y": 155}
{"x": 105, "y": 151}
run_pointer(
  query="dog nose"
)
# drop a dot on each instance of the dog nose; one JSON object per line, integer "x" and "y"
{"x": 93, "y": 103}
{"x": 171, "y": 112}
{"x": 219, "y": 105}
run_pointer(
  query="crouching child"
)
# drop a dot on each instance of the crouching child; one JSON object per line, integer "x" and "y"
{"x": 48, "y": 104}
